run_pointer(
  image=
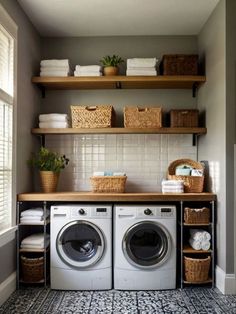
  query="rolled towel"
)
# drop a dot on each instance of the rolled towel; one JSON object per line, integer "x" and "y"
{"x": 206, "y": 236}
{"x": 200, "y": 234}
{"x": 53, "y": 117}
{"x": 88, "y": 68}
{"x": 55, "y": 63}
{"x": 195, "y": 244}
{"x": 141, "y": 62}
{"x": 205, "y": 245}
{"x": 53, "y": 124}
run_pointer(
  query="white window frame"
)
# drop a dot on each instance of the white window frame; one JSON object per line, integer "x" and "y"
{"x": 10, "y": 26}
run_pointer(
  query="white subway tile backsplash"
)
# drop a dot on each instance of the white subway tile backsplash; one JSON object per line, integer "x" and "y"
{"x": 143, "y": 157}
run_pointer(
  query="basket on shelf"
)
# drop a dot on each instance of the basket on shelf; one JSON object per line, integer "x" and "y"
{"x": 179, "y": 64}
{"x": 108, "y": 184}
{"x": 32, "y": 268}
{"x": 201, "y": 216}
{"x": 196, "y": 269}
{"x": 135, "y": 117}
{"x": 192, "y": 184}
{"x": 100, "y": 116}
{"x": 184, "y": 118}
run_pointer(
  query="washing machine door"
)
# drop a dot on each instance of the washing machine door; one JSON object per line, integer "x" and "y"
{"x": 147, "y": 244}
{"x": 80, "y": 244}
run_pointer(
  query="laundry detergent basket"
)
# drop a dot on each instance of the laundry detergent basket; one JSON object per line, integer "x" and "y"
{"x": 196, "y": 269}
{"x": 32, "y": 268}
{"x": 197, "y": 216}
{"x": 108, "y": 184}
{"x": 192, "y": 184}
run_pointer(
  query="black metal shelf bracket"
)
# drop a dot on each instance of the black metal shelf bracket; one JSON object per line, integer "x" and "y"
{"x": 195, "y": 137}
{"x": 194, "y": 89}
{"x": 43, "y": 91}
{"x": 118, "y": 85}
{"x": 42, "y": 140}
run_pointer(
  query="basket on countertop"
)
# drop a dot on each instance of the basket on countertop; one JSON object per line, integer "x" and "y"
{"x": 108, "y": 184}
{"x": 32, "y": 269}
{"x": 196, "y": 269}
{"x": 192, "y": 184}
{"x": 136, "y": 117}
{"x": 179, "y": 64}
{"x": 100, "y": 116}
{"x": 201, "y": 216}
{"x": 184, "y": 118}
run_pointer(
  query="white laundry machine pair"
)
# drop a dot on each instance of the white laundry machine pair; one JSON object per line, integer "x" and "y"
{"x": 144, "y": 247}
{"x": 81, "y": 247}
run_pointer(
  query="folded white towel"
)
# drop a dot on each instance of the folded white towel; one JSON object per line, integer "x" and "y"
{"x": 54, "y": 73}
{"x": 35, "y": 246}
{"x": 32, "y": 222}
{"x": 141, "y": 73}
{"x": 142, "y": 69}
{"x": 196, "y": 245}
{"x": 205, "y": 245}
{"x": 53, "y": 117}
{"x": 32, "y": 212}
{"x": 120, "y": 174}
{"x": 55, "y": 63}
{"x": 76, "y": 73}
{"x": 34, "y": 239}
{"x": 141, "y": 62}
{"x": 46, "y": 68}
{"x": 53, "y": 124}
{"x": 200, "y": 234}
{"x": 88, "y": 68}
{"x": 172, "y": 191}
{"x": 172, "y": 183}
{"x": 27, "y": 218}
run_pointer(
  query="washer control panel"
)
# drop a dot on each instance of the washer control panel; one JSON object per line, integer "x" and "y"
{"x": 91, "y": 211}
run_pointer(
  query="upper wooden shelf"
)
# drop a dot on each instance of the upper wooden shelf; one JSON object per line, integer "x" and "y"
{"x": 119, "y": 81}
{"x": 121, "y": 131}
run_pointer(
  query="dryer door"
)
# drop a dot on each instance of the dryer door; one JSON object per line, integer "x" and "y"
{"x": 147, "y": 244}
{"x": 80, "y": 244}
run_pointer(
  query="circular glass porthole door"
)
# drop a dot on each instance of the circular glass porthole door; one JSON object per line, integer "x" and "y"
{"x": 80, "y": 244}
{"x": 146, "y": 244}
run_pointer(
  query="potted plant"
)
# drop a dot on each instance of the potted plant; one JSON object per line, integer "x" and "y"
{"x": 49, "y": 165}
{"x": 110, "y": 64}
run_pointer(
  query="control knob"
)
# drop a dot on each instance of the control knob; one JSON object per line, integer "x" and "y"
{"x": 81, "y": 211}
{"x": 147, "y": 211}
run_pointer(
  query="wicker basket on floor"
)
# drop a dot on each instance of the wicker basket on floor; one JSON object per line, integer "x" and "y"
{"x": 192, "y": 184}
{"x": 196, "y": 269}
{"x": 32, "y": 269}
{"x": 108, "y": 184}
{"x": 191, "y": 216}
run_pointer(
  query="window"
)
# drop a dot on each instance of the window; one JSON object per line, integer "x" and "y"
{"x": 7, "y": 111}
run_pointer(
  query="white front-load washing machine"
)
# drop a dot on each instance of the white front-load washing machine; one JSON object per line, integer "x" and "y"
{"x": 144, "y": 247}
{"x": 81, "y": 247}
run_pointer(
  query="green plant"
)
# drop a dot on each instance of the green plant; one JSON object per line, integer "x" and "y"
{"x": 46, "y": 160}
{"x": 111, "y": 61}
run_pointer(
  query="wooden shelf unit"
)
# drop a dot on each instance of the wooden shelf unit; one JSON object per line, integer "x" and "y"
{"x": 190, "y": 250}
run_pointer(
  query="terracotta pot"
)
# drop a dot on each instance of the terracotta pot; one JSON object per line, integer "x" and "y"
{"x": 49, "y": 181}
{"x": 109, "y": 71}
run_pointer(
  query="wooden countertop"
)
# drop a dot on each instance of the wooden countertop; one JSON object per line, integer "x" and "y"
{"x": 115, "y": 197}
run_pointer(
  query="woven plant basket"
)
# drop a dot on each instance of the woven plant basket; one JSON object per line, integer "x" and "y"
{"x": 196, "y": 269}
{"x": 135, "y": 117}
{"x": 108, "y": 184}
{"x": 49, "y": 181}
{"x": 192, "y": 184}
{"x": 32, "y": 269}
{"x": 196, "y": 217}
{"x": 100, "y": 116}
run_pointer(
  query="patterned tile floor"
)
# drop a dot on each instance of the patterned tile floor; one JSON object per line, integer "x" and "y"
{"x": 189, "y": 300}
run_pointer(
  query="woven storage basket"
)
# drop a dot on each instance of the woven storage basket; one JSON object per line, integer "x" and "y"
{"x": 192, "y": 184}
{"x": 196, "y": 269}
{"x": 32, "y": 269}
{"x": 180, "y": 64}
{"x": 100, "y": 116}
{"x": 184, "y": 118}
{"x": 108, "y": 184}
{"x": 196, "y": 217}
{"x": 135, "y": 117}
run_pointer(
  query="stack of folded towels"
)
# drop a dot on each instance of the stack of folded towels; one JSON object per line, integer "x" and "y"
{"x": 172, "y": 186}
{"x": 108, "y": 173}
{"x": 53, "y": 120}
{"x": 33, "y": 216}
{"x": 55, "y": 67}
{"x": 141, "y": 66}
{"x": 88, "y": 70}
{"x": 200, "y": 239}
{"x": 35, "y": 242}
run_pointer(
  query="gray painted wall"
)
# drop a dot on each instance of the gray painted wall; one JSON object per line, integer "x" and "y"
{"x": 212, "y": 99}
{"x": 28, "y": 104}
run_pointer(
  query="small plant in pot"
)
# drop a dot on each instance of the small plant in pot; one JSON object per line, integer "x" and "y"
{"x": 49, "y": 165}
{"x": 110, "y": 64}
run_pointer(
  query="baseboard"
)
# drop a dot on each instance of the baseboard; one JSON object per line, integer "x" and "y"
{"x": 7, "y": 287}
{"x": 226, "y": 283}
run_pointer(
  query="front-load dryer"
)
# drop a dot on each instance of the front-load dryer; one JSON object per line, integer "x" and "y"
{"x": 81, "y": 247}
{"x": 144, "y": 247}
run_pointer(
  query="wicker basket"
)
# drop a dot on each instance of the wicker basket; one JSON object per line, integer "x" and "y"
{"x": 108, "y": 184}
{"x": 135, "y": 117}
{"x": 184, "y": 118}
{"x": 192, "y": 184}
{"x": 100, "y": 116}
{"x": 180, "y": 64}
{"x": 196, "y": 217}
{"x": 196, "y": 269}
{"x": 32, "y": 269}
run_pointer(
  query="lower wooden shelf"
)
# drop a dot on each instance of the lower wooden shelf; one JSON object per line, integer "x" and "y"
{"x": 190, "y": 250}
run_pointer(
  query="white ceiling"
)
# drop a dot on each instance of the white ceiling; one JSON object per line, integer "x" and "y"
{"x": 120, "y": 17}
